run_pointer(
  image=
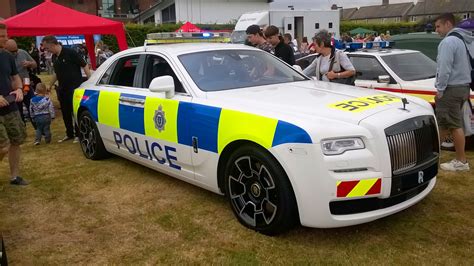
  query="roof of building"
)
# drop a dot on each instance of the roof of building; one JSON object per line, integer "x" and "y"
{"x": 348, "y": 12}
{"x": 428, "y": 7}
{"x": 382, "y": 11}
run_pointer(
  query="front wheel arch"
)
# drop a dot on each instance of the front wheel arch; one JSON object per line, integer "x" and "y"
{"x": 289, "y": 216}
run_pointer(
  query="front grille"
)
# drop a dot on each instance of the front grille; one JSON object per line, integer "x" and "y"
{"x": 412, "y": 142}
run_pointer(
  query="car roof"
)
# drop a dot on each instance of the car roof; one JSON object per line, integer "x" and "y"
{"x": 184, "y": 48}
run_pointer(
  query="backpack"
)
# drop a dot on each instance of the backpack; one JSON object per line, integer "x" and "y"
{"x": 455, "y": 34}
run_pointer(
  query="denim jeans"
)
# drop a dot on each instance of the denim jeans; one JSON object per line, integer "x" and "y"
{"x": 43, "y": 123}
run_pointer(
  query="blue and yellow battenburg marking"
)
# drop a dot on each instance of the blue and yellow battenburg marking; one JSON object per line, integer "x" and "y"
{"x": 179, "y": 122}
{"x": 364, "y": 103}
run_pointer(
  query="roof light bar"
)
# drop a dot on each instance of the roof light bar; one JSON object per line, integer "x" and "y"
{"x": 354, "y": 46}
{"x": 187, "y": 37}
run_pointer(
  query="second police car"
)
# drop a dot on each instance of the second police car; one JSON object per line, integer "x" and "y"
{"x": 283, "y": 148}
{"x": 394, "y": 70}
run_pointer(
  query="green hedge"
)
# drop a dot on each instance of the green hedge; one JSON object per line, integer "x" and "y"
{"x": 24, "y": 42}
{"x": 394, "y": 28}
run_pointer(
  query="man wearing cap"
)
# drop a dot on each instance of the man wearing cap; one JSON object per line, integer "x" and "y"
{"x": 255, "y": 37}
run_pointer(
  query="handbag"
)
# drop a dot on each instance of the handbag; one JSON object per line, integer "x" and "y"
{"x": 347, "y": 81}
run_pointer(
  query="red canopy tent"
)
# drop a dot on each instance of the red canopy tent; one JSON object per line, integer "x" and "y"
{"x": 189, "y": 27}
{"x": 49, "y": 18}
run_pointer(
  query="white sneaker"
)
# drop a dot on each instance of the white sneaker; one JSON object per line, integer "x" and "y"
{"x": 455, "y": 165}
{"x": 76, "y": 140}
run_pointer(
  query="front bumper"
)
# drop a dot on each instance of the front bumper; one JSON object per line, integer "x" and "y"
{"x": 315, "y": 184}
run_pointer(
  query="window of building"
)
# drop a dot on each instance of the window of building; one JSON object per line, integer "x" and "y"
{"x": 384, "y": 20}
{"x": 397, "y": 19}
{"x": 108, "y": 8}
{"x": 169, "y": 14}
{"x": 80, "y": 2}
{"x": 316, "y": 25}
{"x": 413, "y": 19}
{"x": 466, "y": 15}
{"x": 330, "y": 25}
{"x": 289, "y": 27}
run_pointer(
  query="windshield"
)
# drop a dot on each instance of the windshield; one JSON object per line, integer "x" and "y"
{"x": 232, "y": 69}
{"x": 411, "y": 66}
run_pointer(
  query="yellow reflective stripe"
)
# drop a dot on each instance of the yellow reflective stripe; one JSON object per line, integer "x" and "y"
{"x": 78, "y": 94}
{"x": 170, "y": 109}
{"x": 364, "y": 103}
{"x": 234, "y": 125}
{"x": 362, "y": 187}
{"x": 428, "y": 98}
{"x": 338, "y": 183}
{"x": 108, "y": 108}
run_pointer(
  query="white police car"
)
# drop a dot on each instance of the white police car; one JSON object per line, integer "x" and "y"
{"x": 394, "y": 70}
{"x": 283, "y": 148}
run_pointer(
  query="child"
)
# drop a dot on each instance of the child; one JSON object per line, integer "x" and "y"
{"x": 41, "y": 111}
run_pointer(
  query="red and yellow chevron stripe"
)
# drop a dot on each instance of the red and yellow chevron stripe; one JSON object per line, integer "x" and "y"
{"x": 358, "y": 188}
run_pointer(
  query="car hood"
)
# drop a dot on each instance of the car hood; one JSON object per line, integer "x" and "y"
{"x": 307, "y": 99}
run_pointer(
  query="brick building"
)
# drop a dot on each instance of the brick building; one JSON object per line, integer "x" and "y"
{"x": 115, "y": 9}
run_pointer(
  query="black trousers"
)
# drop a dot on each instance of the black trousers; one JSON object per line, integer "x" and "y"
{"x": 65, "y": 97}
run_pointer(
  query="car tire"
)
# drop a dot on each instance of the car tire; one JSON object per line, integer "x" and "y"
{"x": 89, "y": 138}
{"x": 259, "y": 192}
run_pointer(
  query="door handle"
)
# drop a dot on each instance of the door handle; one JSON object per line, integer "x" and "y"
{"x": 132, "y": 101}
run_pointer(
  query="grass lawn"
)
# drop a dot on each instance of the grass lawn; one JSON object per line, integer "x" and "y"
{"x": 77, "y": 211}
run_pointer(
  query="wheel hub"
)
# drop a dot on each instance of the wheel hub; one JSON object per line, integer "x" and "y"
{"x": 256, "y": 190}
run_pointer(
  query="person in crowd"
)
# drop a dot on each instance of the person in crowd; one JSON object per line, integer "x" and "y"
{"x": 369, "y": 37}
{"x": 104, "y": 55}
{"x": 42, "y": 111}
{"x": 453, "y": 80}
{"x": 48, "y": 60}
{"x": 35, "y": 54}
{"x": 304, "y": 47}
{"x": 24, "y": 62}
{"x": 255, "y": 37}
{"x": 12, "y": 128}
{"x": 332, "y": 64}
{"x": 380, "y": 38}
{"x": 359, "y": 38}
{"x": 42, "y": 65}
{"x": 67, "y": 66}
{"x": 282, "y": 50}
{"x": 288, "y": 39}
{"x": 346, "y": 38}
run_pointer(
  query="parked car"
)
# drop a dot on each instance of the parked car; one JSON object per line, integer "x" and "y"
{"x": 394, "y": 70}
{"x": 283, "y": 148}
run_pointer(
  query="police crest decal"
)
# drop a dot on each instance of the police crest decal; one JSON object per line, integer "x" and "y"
{"x": 160, "y": 119}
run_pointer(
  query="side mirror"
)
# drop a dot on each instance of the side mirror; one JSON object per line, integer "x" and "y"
{"x": 163, "y": 84}
{"x": 383, "y": 79}
{"x": 298, "y": 68}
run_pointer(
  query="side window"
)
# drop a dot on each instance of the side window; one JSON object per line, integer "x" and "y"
{"x": 123, "y": 72}
{"x": 107, "y": 74}
{"x": 157, "y": 66}
{"x": 367, "y": 68}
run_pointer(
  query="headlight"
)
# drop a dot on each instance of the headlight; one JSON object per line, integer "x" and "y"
{"x": 339, "y": 146}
